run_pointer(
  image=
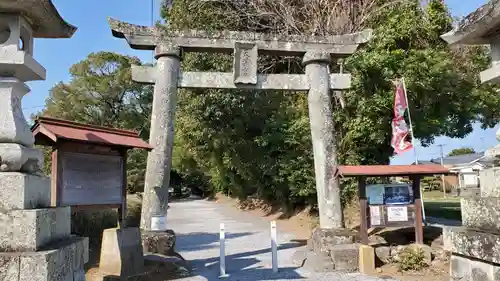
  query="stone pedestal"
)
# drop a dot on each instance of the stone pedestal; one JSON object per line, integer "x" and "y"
{"x": 475, "y": 246}
{"x": 61, "y": 261}
{"x": 330, "y": 250}
{"x": 121, "y": 252}
{"x": 158, "y": 242}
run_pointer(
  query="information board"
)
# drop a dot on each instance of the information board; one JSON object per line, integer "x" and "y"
{"x": 91, "y": 179}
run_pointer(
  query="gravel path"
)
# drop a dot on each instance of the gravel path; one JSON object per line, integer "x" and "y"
{"x": 248, "y": 256}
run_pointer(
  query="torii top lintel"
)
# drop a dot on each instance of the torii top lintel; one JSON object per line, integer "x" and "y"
{"x": 146, "y": 38}
{"x": 477, "y": 28}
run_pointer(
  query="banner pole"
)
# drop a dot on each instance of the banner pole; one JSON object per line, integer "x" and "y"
{"x": 414, "y": 145}
{"x": 409, "y": 120}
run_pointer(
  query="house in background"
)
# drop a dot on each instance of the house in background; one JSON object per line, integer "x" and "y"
{"x": 465, "y": 169}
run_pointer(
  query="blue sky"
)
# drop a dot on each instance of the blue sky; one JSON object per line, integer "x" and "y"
{"x": 93, "y": 35}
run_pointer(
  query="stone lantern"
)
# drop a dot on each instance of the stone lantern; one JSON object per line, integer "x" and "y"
{"x": 35, "y": 240}
{"x": 475, "y": 246}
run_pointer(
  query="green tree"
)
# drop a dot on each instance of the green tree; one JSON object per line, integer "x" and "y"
{"x": 461, "y": 151}
{"x": 101, "y": 92}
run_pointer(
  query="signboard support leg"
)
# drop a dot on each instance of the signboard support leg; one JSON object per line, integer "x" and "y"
{"x": 419, "y": 231}
{"x": 363, "y": 208}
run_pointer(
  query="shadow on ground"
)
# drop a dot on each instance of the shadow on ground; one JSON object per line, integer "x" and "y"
{"x": 196, "y": 241}
{"x": 237, "y": 265}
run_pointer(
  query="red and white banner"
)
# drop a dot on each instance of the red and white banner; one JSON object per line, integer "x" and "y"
{"x": 399, "y": 127}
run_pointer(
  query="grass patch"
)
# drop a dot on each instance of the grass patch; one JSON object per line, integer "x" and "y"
{"x": 446, "y": 209}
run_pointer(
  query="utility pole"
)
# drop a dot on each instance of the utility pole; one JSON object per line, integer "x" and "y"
{"x": 442, "y": 164}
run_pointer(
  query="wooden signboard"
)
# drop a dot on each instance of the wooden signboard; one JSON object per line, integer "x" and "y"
{"x": 88, "y": 179}
{"x": 89, "y": 176}
{"x": 89, "y": 163}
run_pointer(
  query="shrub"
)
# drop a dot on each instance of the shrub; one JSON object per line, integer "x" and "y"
{"x": 412, "y": 259}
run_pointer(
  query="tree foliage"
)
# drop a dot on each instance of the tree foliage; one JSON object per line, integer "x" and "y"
{"x": 461, "y": 151}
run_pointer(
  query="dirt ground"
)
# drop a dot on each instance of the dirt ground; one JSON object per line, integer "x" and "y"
{"x": 301, "y": 223}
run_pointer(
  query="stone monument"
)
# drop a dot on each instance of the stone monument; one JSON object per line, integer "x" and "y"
{"x": 35, "y": 240}
{"x": 475, "y": 247}
{"x": 316, "y": 53}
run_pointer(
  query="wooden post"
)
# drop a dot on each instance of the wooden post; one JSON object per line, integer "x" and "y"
{"x": 122, "y": 211}
{"x": 54, "y": 177}
{"x": 419, "y": 231}
{"x": 57, "y": 174}
{"x": 363, "y": 228}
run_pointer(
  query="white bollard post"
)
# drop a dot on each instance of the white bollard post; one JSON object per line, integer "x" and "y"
{"x": 274, "y": 246}
{"x": 222, "y": 263}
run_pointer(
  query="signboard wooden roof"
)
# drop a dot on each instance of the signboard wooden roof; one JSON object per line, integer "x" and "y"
{"x": 53, "y": 130}
{"x": 391, "y": 170}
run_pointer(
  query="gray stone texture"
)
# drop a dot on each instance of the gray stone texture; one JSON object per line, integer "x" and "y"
{"x": 490, "y": 182}
{"x": 460, "y": 269}
{"x": 245, "y": 63}
{"x": 23, "y": 191}
{"x": 121, "y": 252}
{"x": 49, "y": 23}
{"x": 323, "y": 240}
{"x": 18, "y": 158}
{"x": 16, "y": 62}
{"x": 345, "y": 257}
{"x": 225, "y": 80}
{"x": 13, "y": 126}
{"x": 383, "y": 253}
{"x": 465, "y": 269}
{"x": 155, "y": 197}
{"x": 30, "y": 230}
{"x": 323, "y": 139}
{"x": 144, "y": 37}
{"x": 35, "y": 243}
{"x": 481, "y": 213}
{"x": 319, "y": 262}
{"x": 158, "y": 242}
{"x": 55, "y": 264}
{"x": 478, "y": 245}
{"x": 475, "y": 28}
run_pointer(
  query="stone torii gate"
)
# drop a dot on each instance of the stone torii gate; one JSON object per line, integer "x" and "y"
{"x": 316, "y": 51}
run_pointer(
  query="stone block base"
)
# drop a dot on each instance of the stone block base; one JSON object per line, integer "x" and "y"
{"x": 490, "y": 182}
{"x": 63, "y": 261}
{"x": 342, "y": 257}
{"x": 23, "y": 191}
{"x": 345, "y": 257}
{"x": 323, "y": 240}
{"x": 30, "y": 230}
{"x": 465, "y": 269}
{"x": 478, "y": 245}
{"x": 158, "y": 242}
{"x": 481, "y": 213}
{"x": 121, "y": 252}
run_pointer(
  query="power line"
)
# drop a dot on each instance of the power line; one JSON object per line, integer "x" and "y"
{"x": 31, "y": 107}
